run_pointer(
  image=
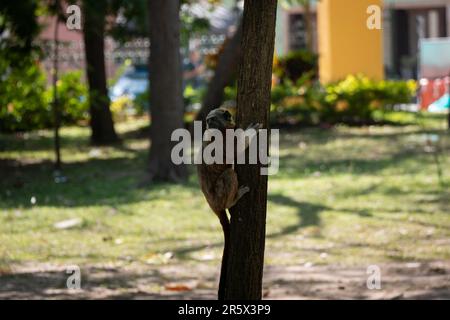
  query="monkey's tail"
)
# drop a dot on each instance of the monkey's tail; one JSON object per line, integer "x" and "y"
{"x": 226, "y": 249}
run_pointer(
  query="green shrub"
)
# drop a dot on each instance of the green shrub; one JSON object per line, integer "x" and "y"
{"x": 352, "y": 100}
{"x": 230, "y": 92}
{"x": 141, "y": 102}
{"x": 26, "y": 101}
{"x": 355, "y": 98}
{"x": 72, "y": 98}
{"x": 22, "y": 103}
{"x": 299, "y": 102}
{"x": 295, "y": 64}
{"x": 122, "y": 107}
{"x": 193, "y": 97}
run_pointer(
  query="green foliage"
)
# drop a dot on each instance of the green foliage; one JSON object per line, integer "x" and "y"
{"x": 22, "y": 105}
{"x": 72, "y": 97}
{"x": 355, "y": 99}
{"x": 134, "y": 22}
{"x": 193, "y": 96}
{"x": 18, "y": 25}
{"x": 230, "y": 92}
{"x": 295, "y": 64}
{"x": 142, "y": 102}
{"x": 26, "y": 101}
{"x": 299, "y": 102}
{"x": 122, "y": 107}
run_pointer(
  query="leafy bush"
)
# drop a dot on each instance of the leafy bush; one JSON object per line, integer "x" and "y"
{"x": 295, "y": 65}
{"x": 352, "y": 100}
{"x": 122, "y": 107}
{"x": 26, "y": 101}
{"x": 141, "y": 102}
{"x": 192, "y": 97}
{"x": 230, "y": 92}
{"x": 299, "y": 102}
{"x": 356, "y": 98}
{"x": 72, "y": 98}
{"x": 22, "y": 103}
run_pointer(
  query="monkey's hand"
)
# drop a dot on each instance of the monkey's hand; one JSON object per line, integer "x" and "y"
{"x": 240, "y": 193}
{"x": 255, "y": 126}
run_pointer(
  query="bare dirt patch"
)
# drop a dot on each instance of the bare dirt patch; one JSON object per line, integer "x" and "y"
{"x": 429, "y": 280}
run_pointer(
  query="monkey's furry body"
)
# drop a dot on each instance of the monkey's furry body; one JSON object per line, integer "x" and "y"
{"x": 219, "y": 184}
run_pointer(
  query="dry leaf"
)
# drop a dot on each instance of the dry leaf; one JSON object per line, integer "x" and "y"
{"x": 177, "y": 287}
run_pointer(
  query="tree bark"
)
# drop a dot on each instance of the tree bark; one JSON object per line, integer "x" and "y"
{"x": 308, "y": 25}
{"x": 248, "y": 217}
{"x": 56, "y": 110}
{"x": 166, "y": 100}
{"x": 102, "y": 126}
{"x": 448, "y": 105}
{"x": 223, "y": 75}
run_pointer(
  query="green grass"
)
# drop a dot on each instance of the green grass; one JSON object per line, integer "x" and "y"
{"x": 349, "y": 196}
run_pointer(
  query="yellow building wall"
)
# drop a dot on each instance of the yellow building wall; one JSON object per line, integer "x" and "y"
{"x": 346, "y": 44}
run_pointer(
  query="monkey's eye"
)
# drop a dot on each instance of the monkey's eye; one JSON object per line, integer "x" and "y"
{"x": 227, "y": 116}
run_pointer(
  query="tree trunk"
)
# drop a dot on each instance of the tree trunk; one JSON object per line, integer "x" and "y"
{"x": 56, "y": 110}
{"x": 308, "y": 26}
{"x": 448, "y": 105}
{"x": 102, "y": 126}
{"x": 166, "y": 100}
{"x": 248, "y": 217}
{"x": 225, "y": 70}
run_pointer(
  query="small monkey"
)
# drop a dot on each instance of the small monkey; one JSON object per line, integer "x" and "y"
{"x": 219, "y": 184}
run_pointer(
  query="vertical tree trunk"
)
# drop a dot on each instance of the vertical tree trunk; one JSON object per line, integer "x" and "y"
{"x": 223, "y": 75}
{"x": 102, "y": 125}
{"x": 248, "y": 217}
{"x": 166, "y": 100}
{"x": 448, "y": 105}
{"x": 308, "y": 25}
{"x": 56, "y": 111}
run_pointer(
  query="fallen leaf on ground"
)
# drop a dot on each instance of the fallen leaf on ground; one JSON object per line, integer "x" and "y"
{"x": 178, "y": 287}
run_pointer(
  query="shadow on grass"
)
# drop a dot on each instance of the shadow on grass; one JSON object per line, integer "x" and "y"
{"x": 111, "y": 181}
{"x": 44, "y": 141}
{"x": 346, "y": 165}
{"x": 96, "y": 283}
{"x": 321, "y": 136}
{"x": 308, "y": 213}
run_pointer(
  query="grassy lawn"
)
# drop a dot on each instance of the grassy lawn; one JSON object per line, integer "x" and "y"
{"x": 348, "y": 196}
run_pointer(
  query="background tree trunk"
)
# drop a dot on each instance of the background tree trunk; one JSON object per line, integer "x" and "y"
{"x": 448, "y": 104}
{"x": 308, "y": 25}
{"x": 166, "y": 100}
{"x": 223, "y": 75}
{"x": 56, "y": 111}
{"x": 248, "y": 217}
{"x": 102, "y": 125}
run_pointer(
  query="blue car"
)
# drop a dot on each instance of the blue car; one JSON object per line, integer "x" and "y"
{"x": 132, "y": 83}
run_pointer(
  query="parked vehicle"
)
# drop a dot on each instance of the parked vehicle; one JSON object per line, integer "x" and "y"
{"x": 132, "y": 83}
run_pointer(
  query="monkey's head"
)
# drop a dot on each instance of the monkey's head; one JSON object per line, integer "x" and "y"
{"x": 220, "y": 119}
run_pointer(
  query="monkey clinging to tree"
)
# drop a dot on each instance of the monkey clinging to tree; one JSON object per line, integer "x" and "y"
{"x": 219, "y": 183}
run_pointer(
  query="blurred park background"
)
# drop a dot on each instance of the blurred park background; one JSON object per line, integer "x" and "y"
{"x": 364, "y": 150}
